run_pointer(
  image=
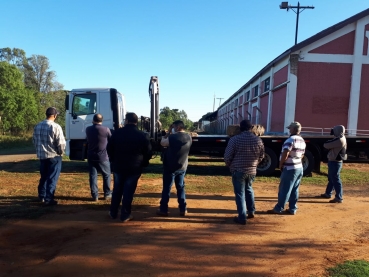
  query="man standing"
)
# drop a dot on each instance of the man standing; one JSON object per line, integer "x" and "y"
{"x": 290, "y": 164}
{"x": 129, "y": 150}
{"x": 336, "y": 155}
{"x": 242, "y": 155}
{"x": 97, "y": 139}
{"x": 49, "y": 141}
{"x": 175, "y": 165}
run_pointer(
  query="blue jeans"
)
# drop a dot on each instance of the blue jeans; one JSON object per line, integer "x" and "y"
{"x": 104, "y": 167}
{"x": 178, "y": 178}
{"x": 334, "y": 179}
{"x": 49, "y": 171}
{"x": 242, "y": 184}
{"x": 289, "y": 189}
{"x": 125, "y": 185}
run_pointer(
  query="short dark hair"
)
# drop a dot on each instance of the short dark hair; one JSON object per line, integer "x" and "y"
{"x": 179, "y": 124}
{"x": 131, "y": 118}
{"x": 98, "y": 118}
{"x": 245, "y": 125}
{"x": 51, "y": 111}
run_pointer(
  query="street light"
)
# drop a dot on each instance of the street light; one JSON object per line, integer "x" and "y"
{"x": 285, "y": 6}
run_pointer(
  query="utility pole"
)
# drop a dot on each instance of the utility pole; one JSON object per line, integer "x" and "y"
{"x": 214, "y": 103}
{"x": 285, "y": 6}
{"x": 220, "y": 100}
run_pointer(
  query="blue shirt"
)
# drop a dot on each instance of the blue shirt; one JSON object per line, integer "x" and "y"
{"x": 97, "y": 139}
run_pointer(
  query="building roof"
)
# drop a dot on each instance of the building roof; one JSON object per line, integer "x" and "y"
{"x": 298, "y": 46}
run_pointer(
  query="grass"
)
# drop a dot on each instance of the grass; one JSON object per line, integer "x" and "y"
{"x": 204, "y": 176}
{"x": 356, "y": 268}
{"x": 12, "y": 144}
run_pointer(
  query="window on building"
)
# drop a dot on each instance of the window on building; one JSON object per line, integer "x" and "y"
{"x": 256, "y": 91}
{"x": 248, "y": 96}
{"x": 236, "y": 103}
{"x": 267, "y": 84}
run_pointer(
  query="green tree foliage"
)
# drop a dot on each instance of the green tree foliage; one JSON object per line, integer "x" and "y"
{"x": 168, "y": 116}
{"x": 18, "y": 108}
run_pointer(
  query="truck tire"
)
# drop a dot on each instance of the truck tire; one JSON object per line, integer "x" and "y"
{"x": 308, "y": 163}
{"x": 268, "y": 165}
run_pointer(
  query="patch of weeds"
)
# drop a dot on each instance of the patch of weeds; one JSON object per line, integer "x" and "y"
{"x": 356, "y": 268}
{"x": 13, "y": 144}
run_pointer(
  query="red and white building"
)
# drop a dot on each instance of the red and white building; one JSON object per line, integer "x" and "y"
{"x": 320, "y": 82}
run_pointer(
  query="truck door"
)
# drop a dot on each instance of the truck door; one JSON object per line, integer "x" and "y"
{"x": 84, "y": 106}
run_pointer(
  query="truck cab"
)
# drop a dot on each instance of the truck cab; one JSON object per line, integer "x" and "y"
{"x": 81, "y": 105}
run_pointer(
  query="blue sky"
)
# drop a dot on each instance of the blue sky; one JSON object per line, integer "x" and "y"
{"x": 197, "y": 48}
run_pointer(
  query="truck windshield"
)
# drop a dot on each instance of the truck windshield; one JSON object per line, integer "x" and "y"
{"x": 84, "y": 104}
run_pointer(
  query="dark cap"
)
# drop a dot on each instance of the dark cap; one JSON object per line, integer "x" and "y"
{"x": 51, "y": 111}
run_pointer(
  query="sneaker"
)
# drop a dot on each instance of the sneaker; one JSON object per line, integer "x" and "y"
{"x": 238, "y": 221}
{"x": 112, "y": 216}
{"x": 127, "y": 218}
{"x": 95, "y": 199}
{"x": 288, "y": 211}
{"x": 251, "y": 215}
{"x": 325, "y": 196}
{"x": 160, "y": 213}
{"x": 50, "y": 203}
{"x": 107, "y": 197}
{"x": 273, "y": 212}
{"x": 335, "y": 200}
{"x": 183, "y": 213}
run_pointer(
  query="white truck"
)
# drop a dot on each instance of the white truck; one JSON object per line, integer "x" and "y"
{"x": 81, "y": 105}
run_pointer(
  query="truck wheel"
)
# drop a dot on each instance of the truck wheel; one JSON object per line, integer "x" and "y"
{"x": 268, "y": 165}
{"x": 308, "y": 163}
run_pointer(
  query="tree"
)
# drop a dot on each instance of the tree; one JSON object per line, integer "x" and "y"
{"x": 168, "y": 116}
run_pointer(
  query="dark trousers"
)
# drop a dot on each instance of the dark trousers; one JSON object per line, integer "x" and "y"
{"x": 125, "y": 185}
{"x": 49, "y": 171}
{"x": 104, "y": 168}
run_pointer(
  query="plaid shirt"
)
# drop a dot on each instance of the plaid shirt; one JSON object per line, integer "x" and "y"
{"x": 48, "y": 139}
{"x": 244, "y": 152}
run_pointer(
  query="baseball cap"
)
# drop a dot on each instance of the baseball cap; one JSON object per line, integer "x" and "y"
{"x": 294, "y": 124}
{"x": 51, "y": 111}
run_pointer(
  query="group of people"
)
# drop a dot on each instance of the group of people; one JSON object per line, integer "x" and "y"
{"x": 128, "y": 150}
{"x": 246, "y": 150}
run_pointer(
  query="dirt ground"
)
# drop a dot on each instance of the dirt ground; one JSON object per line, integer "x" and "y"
{"x": 72, "y": 242}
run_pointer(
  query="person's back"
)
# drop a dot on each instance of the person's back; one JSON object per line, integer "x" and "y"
{"x": 177, "y": 152}
{"x": 129, "y": 149}
{"x": 97, "y": 139}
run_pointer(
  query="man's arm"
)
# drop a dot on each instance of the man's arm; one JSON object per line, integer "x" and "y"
{"x": 284, "y": 157}
{"x": 60, "y": 140}
{"x": 229, "y": 152}
{"x": 262, "y": 152}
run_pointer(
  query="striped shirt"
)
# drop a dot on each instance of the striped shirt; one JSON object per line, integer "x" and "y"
{"x": 295, "y": 145}
{"x": 244, "y": 152}
{"x": 48, "y": 139}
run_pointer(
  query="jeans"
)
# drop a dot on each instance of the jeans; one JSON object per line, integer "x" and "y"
{"x": 49, "y": 171}
{"x": 178, "y": 178}
{"x": 334, "y": 179}
{"x": 125, "y": 185}
{"x": 104, "y": 167}
{"x": 244, "y": 193}
{"x": 289, "y": 189}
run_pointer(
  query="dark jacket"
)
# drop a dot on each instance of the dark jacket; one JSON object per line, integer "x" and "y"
{"x": 337, "y": 146}
{"x": 97, "y": 139}
{"x": 129, "y": 150}
{"x": 176, "y": 155}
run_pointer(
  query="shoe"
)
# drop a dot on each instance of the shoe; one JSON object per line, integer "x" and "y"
{"x": 288, "y": 211}
{"x": 159, "y": 212}
{"x": 325, "y": 196}
{"x": 238, "y": 221}
{"x": 127, "y": 218}
{"x": 273, "y": 212}
{"x": 95, "y": 199}
{"x": 251, "y": 215}
{"x": 111, "y": 216}
{"x": 50, "y": 203}
{"x": 183, "y": 213}
{"x": 107, "y": 197}
{"x": 335, "y": 200}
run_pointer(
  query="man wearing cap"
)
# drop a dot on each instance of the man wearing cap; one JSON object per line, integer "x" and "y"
{"x": 243, "y": 154}
{"x": 290, "y": 163}
{"x": 49, "y": 141}
{"x": 97, "y": 156}
{"x": 337, "y": 154}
